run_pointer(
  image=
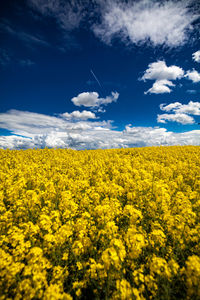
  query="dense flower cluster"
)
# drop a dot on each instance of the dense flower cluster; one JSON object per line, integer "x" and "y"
{"x": 102, "y": 224}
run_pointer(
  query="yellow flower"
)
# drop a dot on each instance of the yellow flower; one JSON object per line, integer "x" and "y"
{"x": 124, "y": 289}
{"x": 192, "y": 272}
{"x": 157, "y": 238}
{"x": 54, "y": 292}
{"x": 159, "y": 266}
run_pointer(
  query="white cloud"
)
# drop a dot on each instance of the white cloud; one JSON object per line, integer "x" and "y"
{"x": 103, "y": 139}
{"x": 192, "y": 108}
{"x": 162, "y": 74}
{"x": 91, "y": 99}
{"x": 16, "y": 142}
{"x": 166, "y": 23}
{"x": 196, "y": 56}
{"x": 170, "y": 107}
{"x": 193, "y": 75}
{"x": 160, "y": 87}
{"x": 155, "y": 136}
{"x": 29, "y": 124}
{"x": 41, "y": 131}
{"x": 160, "y": 71}
{"x": 180, "y": 111}
{"x": 177, "y": 117}
{"x": 150, "y": 136}
{"x": 79, "y": 115}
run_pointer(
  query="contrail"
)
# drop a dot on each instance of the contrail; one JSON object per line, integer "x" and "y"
{"x": 95, "y": 78}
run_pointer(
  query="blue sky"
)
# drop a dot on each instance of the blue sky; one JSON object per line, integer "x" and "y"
{"x": 99, "y": 74}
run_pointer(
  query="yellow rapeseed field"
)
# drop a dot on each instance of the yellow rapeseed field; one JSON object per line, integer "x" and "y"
{"x": 100, "y": 224}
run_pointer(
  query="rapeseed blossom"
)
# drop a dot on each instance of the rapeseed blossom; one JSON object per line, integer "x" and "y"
{"x": 100, "y": 224}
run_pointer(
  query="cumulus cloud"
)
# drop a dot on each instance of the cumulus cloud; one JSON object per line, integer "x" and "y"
{"x": 155, "y": 136}
{"x": 193, "y": 75}
{"x": 170, "y": 107}
{"x": 196, "y": 56}
{"x": 160, "y": 71}
{"x": 91, "y": 99}
{"x": 162, "y": 74}
{"x": 103, "y": 139}
{"x": 177, "y": 117}
{"x": 180, "y": 112}
{"x": 33, "y": 130}
{"x": 192, "y": 108}
{"x": 166, "y": 23}
{"x": 160, "y": 87}
{"x": 29, "y": 124}
{"x": 79, "y": 115}
{"x": 16, "y": 142}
